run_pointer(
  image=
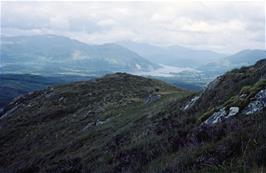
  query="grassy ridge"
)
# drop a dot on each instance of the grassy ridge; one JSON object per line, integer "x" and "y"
{"x": 125, "y": 123}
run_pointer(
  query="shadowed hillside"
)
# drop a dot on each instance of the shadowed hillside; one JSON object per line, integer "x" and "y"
{"x": 13, "y": 85}
{"x": 126, "y": 123}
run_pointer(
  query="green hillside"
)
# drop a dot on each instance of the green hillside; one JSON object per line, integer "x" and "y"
{"x": 126, "y": 123}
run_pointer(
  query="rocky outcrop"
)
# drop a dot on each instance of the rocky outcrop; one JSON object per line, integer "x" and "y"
{"x": 216, "y": 117}
{"x": 221, "y": 115}
{"x": 233, "y": 111}
{"x": 190, "y": 103}
{"x": 258, "y": 104}
{"x": 151, "y": 99}
{"x": 221, "y": 90}
{"x": 9, "y": 112}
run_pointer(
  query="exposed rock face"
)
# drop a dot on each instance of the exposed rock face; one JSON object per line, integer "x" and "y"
{"x": 9, "y": 112}
{"x": 228, "y": 85}
{"x": 216, "y": 117}
{"x": 256, "y": 105}
{"x": 191, "y": 103}
{"x": 233, "y": 111}
{"x": 221, "y": 115}
{"x": 152, "y": 98}
{"x": 243, "y": 96}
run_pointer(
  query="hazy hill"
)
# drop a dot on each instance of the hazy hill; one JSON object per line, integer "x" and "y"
{"x": 125, "y": 123}
{"x": 50, "y": 54}
{"x": 246, "y": 57}
{"x": 173, "y": 55}
{"x": 242, "y": 58}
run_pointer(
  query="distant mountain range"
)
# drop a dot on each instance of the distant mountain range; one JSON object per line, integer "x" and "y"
{"x": 173, "y": 55}
{"x": 197, "y": 67}
{"x": 203, "y": 60}
{"x": 50, "y": 54}
{"x": 246, "y": 57}
{"x": 242, "y": 58}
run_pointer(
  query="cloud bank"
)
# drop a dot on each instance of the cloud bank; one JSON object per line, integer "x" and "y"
{"x": 218, "y": 26}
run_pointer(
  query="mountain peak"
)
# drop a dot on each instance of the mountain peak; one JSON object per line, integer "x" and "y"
{"x": 61, "y": 55}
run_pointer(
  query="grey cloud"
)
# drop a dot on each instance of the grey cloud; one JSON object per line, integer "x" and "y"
{"x": 221, "y": 26}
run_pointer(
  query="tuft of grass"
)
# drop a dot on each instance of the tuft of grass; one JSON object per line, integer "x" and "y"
{"x": 206, "y": 115}
{"x": 249, "y": 90}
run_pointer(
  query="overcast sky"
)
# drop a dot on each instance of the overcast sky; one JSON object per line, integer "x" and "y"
{"x": 218, "y": 26}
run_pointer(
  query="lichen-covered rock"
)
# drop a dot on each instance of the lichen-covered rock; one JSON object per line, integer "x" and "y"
{"x": 243, "y": 96}
{"x": 261, "y": 96}
{"x": 216, "y": 117}
{"x": 232, "y": 111}
{"x": 9, "y": 112}
{"x": 258, "y": 104}
{"x": 191, "y": 103}
{"x": 151, "y": 98}
{"x": 221, "y": 115}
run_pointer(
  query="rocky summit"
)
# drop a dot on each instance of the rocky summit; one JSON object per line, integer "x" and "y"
{"x": 126, "y": 123}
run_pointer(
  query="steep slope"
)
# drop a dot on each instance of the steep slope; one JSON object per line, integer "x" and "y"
{"x": 50, "y": 54}
{"x": 13, "y": 85}
{"x": 230, "y": 84}
{"x": 125, "y": 123}
{"x": 173, "y": 55}
{"x": 83, "y": 118}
